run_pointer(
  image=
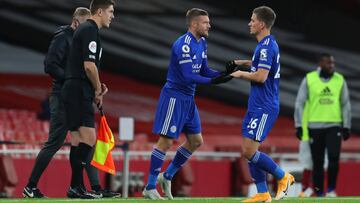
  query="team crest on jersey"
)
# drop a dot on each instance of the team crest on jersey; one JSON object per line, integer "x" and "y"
{"x": 263, "y": 54}
{"x": 185, "y": 48}
{"x": 92, "y": 46}
{"x": 173, "y": 129}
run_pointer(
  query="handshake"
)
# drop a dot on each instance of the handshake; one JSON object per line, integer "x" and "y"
{"x": 231, "y": 67}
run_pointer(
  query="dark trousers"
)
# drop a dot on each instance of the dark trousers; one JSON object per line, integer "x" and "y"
{"x": 321, "y": 139}
{"x": 57, "y": 136}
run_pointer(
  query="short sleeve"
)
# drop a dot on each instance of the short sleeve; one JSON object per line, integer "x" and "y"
{"x": 266, "y": 57}
{"x": 89, "y": 42}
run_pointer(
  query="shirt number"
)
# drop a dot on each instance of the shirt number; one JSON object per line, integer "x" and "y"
{"x": 277, "y": 75}
{"x": 253, "y": 123}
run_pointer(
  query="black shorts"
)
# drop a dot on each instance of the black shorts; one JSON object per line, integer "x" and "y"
{"x": 78, "y": 98}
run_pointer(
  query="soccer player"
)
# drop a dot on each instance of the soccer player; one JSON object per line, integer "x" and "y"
{"x": 263, "y": 105}
{"x": 177, "y": 111}
{"x": 55, "y": 63}
{"x": 82, "y": 87}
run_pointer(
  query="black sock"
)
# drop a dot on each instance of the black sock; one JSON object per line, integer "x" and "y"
{"x": 80, "y": 160}
{"x": 82, "y": 178}
{"x": 74, "y": 163}
{"x": 84, "y": 150}
{"x": 31, "y": 184}
{"x": 72, "y": 156}
{"x": 96, "y": 187}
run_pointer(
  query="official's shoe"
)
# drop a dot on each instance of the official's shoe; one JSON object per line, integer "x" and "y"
{"x": 78, "y": 193}
{"x": 106, "y": 193}
{"x": 165, "y": 185}
{"x": 259, "y": 197}
{"x": 331, "y": 194}
{"x": 32, "y": 193}
{"x": 284, "y": 185}
{"x": 151, "y": 194}
{"x": 91, "y": 193}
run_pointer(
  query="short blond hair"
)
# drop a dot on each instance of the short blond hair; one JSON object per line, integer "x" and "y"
{"x": 81, "y": 11}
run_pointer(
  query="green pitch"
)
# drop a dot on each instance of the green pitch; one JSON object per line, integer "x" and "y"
{"x": 185, "y": 200}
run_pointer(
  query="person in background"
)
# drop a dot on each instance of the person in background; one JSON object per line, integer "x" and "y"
{"x": 326, "y": 95}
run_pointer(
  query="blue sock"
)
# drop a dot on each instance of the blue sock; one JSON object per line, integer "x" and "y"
{"x": 319, "y": 194}
{"x": 181, "y": 156}
{"x": 266, "y": 163}
{"x": 330, "y": 189}
{"x": 259, "y": 177}
{"x": 156, "y": 162}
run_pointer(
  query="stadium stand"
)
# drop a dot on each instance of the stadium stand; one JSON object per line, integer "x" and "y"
{"x": 128, "y": 97}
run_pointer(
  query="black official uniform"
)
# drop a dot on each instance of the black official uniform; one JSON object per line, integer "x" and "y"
{"x": 78, "y": 92}
{"x": 55, "y": 62}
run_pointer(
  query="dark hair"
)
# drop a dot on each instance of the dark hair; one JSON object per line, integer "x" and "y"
{"x": 103, "y": 4}
{"x": 321, "y": 56}
{"x": 266, "y": 15}
{"x": 81, "y": 11}
{"x": 193, "y": 13}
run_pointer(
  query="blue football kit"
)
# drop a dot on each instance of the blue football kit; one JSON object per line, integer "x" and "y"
{"x": 177, "y": 111}
{"x": 263, "y": 104}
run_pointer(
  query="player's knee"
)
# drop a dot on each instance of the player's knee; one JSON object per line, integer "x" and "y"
{"x": 89, "y": 140}
{"x": 164, "y": 144}
{"x": 92, "y": 140}
{"x": 164, "y": 147}
{"x": 75, "y": 140}
{"x": 197, "y": 143}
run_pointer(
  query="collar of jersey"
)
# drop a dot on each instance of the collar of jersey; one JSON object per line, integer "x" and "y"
{"x": 192, "y": 37}
{"x": 93, "y": 22}
{"x": 266, "y": 37}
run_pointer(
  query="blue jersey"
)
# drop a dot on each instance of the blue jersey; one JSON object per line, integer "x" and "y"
{"x": 265, "y": 96}
{"x": 188, "y": 65}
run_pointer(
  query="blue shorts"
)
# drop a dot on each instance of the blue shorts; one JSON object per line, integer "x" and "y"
{"x": 257, "y": 125}
{"x": 176, "y": 113}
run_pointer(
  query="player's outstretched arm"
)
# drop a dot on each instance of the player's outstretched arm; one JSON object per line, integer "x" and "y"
{"x": 259, "y": 76}
{"x": 221, "y": 79}
{"x": 243, "y": 62}
{"x": 235, "y": 65}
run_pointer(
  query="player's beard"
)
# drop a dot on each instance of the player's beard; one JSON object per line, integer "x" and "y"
{"x": 204, "y": 34}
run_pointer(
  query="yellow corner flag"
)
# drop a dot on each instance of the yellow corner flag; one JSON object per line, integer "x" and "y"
{"x": 104, "y": 144}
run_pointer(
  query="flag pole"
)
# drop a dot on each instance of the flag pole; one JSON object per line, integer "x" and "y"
{"x": 125, "y": 180}
{"x": 100, "y": 109}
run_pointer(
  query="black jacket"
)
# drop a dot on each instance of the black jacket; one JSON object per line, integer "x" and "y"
{"x": 55, "y": 60}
